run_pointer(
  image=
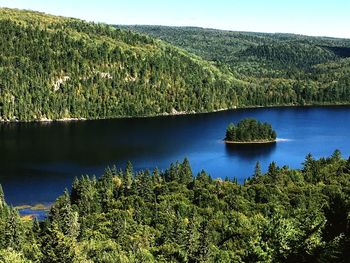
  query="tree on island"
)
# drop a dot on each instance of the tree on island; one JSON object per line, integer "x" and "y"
{"x": 250, "y": 130}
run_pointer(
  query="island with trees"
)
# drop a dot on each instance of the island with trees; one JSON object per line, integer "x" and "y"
{"x": 250, "y": 131}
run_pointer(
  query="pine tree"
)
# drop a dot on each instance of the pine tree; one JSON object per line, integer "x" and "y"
{"x": 191, "y": 243}
{"x": 145, "y": 186}
{"x": 273, "y": 170}
{"x": 257, "y": 170}
{"x": 310, "y": 169}
{"x": 186, "y": 175}
{"x": 179, "y": 236}
{"x": 128, "y": 176}
{"x": 203, "y": 249}
{"x": 156, "y": 178}
{"x": 308, "y": 163}
{"x": 62, "y": 214}
{"x": 2, "y": 198}
{"x": 13, "y": 233}
{"x": 58, "y": 247}
{"x": 336, "y": 156}
{"x": 106, "y": 189}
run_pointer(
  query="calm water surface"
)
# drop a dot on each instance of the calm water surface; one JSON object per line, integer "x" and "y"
{"x": 39, "y": 160}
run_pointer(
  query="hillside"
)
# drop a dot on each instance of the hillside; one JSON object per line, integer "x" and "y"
{"x": 62, "y": 68}
{"x": 54, "y": 67}
{"x": 284, "y": 215}
{"x": 298, "y": 69}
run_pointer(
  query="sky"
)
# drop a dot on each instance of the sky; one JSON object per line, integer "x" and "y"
{"x": 307, "y": 17}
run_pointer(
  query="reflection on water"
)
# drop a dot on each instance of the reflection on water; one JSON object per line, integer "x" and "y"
{"x": 249, "y": 151}
{"x": 38, "y": 161}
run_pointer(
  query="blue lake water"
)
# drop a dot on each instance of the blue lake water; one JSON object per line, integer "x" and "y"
{"x": 39, "y": 160}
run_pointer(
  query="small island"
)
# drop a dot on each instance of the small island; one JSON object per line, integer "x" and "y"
{"x": 250, "y": 131}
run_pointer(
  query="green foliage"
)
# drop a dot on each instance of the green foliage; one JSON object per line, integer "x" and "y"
{"x": 250, "y": 130}
{"x": 279, "y": 69}
{"x": 12, "y": 256}
{"x": 56, "y": 68}
{"x": 58, "y": 247}
{"x": 18, "y": 242}
{"x": 64, "y": 217}
{"x": 61, "y": 68}
{"x": 281, "y": 216}
{"x": 2, "y": 198}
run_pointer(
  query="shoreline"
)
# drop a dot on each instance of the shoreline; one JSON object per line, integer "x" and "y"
{"x": 45, "y": 120}
{"x": 251, "y": 142}
{"x": 176, "y": 113}
{"x": 30, "y": 212}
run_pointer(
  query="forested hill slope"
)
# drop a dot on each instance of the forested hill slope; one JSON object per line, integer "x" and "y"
{"x": 54, "y": 67}
{"x": 296, "y": 68}
{"x": 231, "y": 46}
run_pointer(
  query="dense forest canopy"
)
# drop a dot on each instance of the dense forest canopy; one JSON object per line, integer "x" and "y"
{"x": 53, "y": 68}
{"x": 285, "y": 52}
{"x": 283, "y": 215}
{"x": 279, "y": 68}
{"x": 250, "y": 130}
{"x": 56, "y": 68}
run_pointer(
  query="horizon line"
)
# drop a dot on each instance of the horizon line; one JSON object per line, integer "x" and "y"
{"x": 176, "y": 26}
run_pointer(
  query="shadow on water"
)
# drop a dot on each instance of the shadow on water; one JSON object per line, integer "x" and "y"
{"x": 249, "y": 151}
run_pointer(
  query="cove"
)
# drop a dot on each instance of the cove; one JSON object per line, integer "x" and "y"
{"x": 39, "y": 160}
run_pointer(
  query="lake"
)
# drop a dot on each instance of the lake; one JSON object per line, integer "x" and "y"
{"x": 39, "y": 160}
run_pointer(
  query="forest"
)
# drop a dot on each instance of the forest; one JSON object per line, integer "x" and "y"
{"x": 283, "y": 215}
{"x": 250, "y": 130}
{"x": 54, "y": 68}
{"x": 279, "y": 69}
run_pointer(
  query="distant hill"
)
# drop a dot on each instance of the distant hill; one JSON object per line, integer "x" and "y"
{"x": 284, "y": 51}
{"x": 62, "y": 68}
{"x": 304, "y": 69}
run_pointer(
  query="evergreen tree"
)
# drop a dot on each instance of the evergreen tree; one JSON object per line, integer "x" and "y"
{"x": 13, "y": 232}
{"x": 273, "y": 170}
{"x": 2, "y": 198}
{"x": 186, "y": 175}
{"x": 204, "y": 243}
{"x": 128, "y": 176}
{"x": 64, "y": 217}
{"x": 257, "y": 170}
{"x": 58, "y": 247}
{"x": 336, "y": 156}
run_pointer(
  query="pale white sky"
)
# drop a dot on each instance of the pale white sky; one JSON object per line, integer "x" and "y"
{"x": 308, "y": 17}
